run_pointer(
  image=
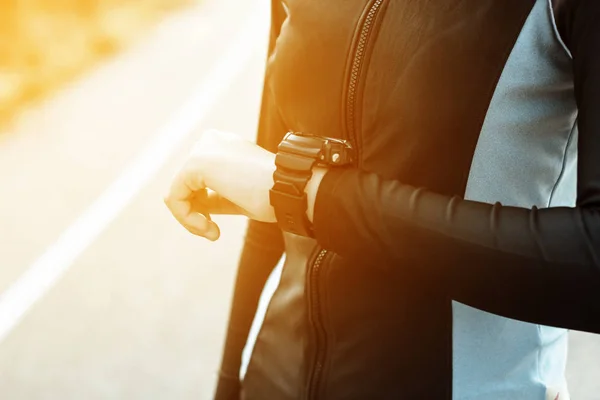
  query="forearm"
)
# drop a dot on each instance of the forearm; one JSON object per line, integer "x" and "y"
{"x": 521, "y": 263}
{"x": 311, "y": 189}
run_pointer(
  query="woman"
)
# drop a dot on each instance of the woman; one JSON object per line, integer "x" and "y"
{"x": 459, "y": 237}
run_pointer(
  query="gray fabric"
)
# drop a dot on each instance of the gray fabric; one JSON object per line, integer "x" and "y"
{"x": 525, "y": 156}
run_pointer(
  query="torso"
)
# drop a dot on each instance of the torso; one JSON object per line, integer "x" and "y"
{"x": 471, "y": 98}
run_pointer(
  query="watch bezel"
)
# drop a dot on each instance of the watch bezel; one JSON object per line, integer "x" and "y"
{"x": 330, "y": 146}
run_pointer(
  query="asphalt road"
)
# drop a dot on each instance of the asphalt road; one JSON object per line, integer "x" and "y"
{"x": 140, "y": 312}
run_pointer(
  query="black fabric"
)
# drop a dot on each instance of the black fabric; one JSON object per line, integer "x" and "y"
{"x": 540, "y": 266}
{"x": 428, "y": 87}
{"x": 564, "y": 16}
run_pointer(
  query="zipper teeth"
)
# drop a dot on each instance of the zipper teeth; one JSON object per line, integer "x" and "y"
{"x": 357, "y": 64}
{"x": 317, "y": 321}
{"x": 350, "y": 104}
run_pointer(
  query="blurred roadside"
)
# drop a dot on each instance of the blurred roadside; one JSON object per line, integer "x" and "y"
{"x": 44, "y": 43}
{"x": 141, "y": 312}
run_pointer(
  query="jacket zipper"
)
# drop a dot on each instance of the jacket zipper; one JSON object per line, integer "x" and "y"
{"x": 314, "y": 294}
{"x": 319, "y": 328}
{"x": 356, "y": 69}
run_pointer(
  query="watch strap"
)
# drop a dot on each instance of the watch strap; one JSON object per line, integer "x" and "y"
{"x": 295, "y": 159}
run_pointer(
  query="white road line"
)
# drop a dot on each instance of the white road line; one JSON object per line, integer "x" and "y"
{"x": 48, "y": 269}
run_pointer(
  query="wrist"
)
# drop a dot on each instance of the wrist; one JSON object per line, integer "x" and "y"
{"x": 311, "y": 189}
{"x": 302, "y": 162}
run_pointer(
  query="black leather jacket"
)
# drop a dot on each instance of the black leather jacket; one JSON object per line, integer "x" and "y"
{"x": 364, "y": 311}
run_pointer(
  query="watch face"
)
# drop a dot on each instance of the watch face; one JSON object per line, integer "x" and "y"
{"x": 324, "y": 139}
{"x": 303, "y": 134}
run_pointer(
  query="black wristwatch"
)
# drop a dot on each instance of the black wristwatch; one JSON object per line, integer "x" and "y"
{"x": 297, "y": 154}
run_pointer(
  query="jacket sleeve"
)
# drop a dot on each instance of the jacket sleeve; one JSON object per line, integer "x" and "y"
{"x": 536, "y": 265}
{"x": 263, "y": 247}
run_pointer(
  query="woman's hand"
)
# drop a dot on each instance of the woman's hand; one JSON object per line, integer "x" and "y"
{"x": 224, "y": 174}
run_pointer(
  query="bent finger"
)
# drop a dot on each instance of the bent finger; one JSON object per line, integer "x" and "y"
{"x": 177, "y": 199}
{"x": 184, "y": 184}
{"x": 209, "y": 202}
